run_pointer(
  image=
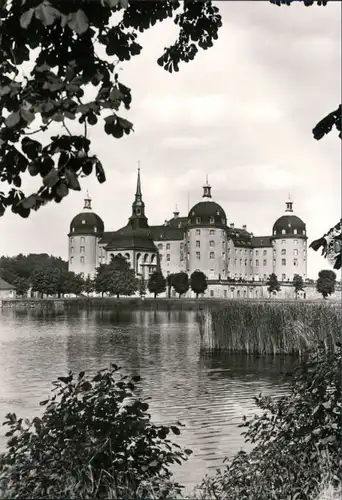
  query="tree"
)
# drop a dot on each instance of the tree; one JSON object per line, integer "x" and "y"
{"x": 21, "y": 286}
{"x": 198, "y": 282}
{"x": 45, "y": 281}
{"x": 272, "y": 284}
{"x": 95, "y": 439}
{"x": 326, "y": 282}
{"x": 116, "y": 278}
{"x": 54, "y": 89}
{"x": 88, "y": 285}
{"x": 156, "y": 283}
{"x": 298, "y": 284}
{"x": 180, "y": 283}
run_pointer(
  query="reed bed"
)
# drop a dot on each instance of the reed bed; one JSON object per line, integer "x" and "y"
{"x": 271, "y": 328}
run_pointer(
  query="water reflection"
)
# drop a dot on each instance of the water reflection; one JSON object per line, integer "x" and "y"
{"x": 208, "y": 393}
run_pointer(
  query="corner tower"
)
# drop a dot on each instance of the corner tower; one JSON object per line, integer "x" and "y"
{"x": 206, "y": 235}
{"x": 86, "y": 229}
{"x": 289, "y": 241}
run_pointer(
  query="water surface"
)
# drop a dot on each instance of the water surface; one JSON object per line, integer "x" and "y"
{"x": 207, "y": 393}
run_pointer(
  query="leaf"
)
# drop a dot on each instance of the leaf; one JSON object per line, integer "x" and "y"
{"x": 175, "y": 430}
{"x": 78, "y": 22}
{"x": 6, "y": 89}
{"x": 13, "y": 119}
{"x": 43, "y": 403}
{"x": 72, "y": 180}
{"x": 27, "y": 115}
{"x": 26, "y": 18}
{"x": 47, "y": 14}
{"x": 62, "y": 190}
{"x": 29, "y": 202}
{"x": 100, "y": 174}
{"x": 51, "y": 178}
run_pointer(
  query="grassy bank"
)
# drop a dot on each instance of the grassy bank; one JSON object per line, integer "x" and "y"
{"x": 271, "y": 328}
{"x": 111, "y": 303}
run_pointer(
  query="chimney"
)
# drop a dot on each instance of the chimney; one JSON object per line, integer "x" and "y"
{"x": 232, "y": 225}
{"x": 244, "y": 227}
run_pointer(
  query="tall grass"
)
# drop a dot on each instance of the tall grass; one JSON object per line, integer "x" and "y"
{"x": 271, "y": 328}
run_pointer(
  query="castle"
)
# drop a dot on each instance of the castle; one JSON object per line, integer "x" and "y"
{"x": 204, "y": 240}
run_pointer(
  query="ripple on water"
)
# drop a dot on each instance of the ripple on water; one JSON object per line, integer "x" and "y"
{"x": 209, "y": 394}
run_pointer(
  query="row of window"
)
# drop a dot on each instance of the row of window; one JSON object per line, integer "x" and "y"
{"x": 295, "y": 231}
{"x": 211, "y": 220}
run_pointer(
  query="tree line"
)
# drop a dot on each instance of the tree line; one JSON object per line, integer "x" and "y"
{"x": 49, "y": 275}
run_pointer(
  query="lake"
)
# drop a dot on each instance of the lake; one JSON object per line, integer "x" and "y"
{"x": 209, "y": 393}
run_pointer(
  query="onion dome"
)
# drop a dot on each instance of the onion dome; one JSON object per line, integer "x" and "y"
{"x": 207, "y": 212}
{"x": 87, "y": 222}
{"x": 289, "y": 225}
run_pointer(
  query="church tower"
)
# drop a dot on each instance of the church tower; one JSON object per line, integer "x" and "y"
{"x": 138, "y": 219}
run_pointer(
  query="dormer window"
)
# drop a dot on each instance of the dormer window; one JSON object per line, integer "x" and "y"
{"x": 212, "y": 220}
{"x": 295, "y": 231}
{"x": 95, "y": 229}
{"x": 73, "y": 229}
{"x": 83, "y": 222}
{"x": 304, "y": 232}
{"x": 223, "y": 221}
{"x": 198, "y": 220}
{"x": 283, "y": 231}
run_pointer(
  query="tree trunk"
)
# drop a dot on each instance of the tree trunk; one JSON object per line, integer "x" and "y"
{"x": 197, "y": 294}
{"x": 102, "y": 294}
{"x": 117, "y": 295}
{"x": 155, "y": 295}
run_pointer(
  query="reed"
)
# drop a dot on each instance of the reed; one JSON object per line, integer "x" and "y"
{"x": 270, "y": 327}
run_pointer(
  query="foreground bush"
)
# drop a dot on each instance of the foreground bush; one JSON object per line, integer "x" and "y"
{"x": 273, "y": 328}
{"x": 94, "y": 440}
{"x": 291, "y": 436}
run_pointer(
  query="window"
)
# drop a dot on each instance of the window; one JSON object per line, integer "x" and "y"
{"x": 295, "y": 231}
{"x": 212, "y": 220}
{"x": 265, "y": 262}
{"x": 95, "y": 229}
{"x": 211, "y": 243}
{"x": 265, "y": 277}
{"x": 283, "y": 231}
{"x": 223, "y": 255}
{"x": 181, "y": 246}
{"x": 224, "y": 244}
{"x": 295, "y": 251}
{"x": 223, "y": 233}
{"x": 225, "y": 294}
{"x": 283, "y": 277}
{"x": 160, "y": 246}
{"x": 168, "y": 257}
{"x": 198, "y": 232}
{"x": 251, "y": 262}
{"x": 228, "y": 262}
{"x": 283, "y": 242}
{"x": 82, "y": 260}
{"x": 161, "y": 258}
{"x": 198, "y": 244}
{"x": 73, "y": 229}
{"x": 72, "y": 241}
{"x": 257, "y": 262}
{"x": 245, "y": 262}
{"x": 167, "y": 246}
{"x": 212, "y": 232}
{"x": 83, "y": 222}
{"x": 82, "y": 249}
{"x": 283, "y": 251}
{"x": 295, "y": 262}
{"x": 72, "y": 250}
{"x": 211, "y": 255}
{"x": 71, "y": 259}
{"x": 181, "y": 256}
{"x": 257, "y": 252}
{"x": 198, "y": 220}
{"x": 304, "y": 232}
{"x": 211, "y": 293}
{"x": 264, "y": 252}
{"x": 240, "y": 251}
{"x": 295, "y": 242}
{"x": 198, "y": 255}
{"x": 82, "y": 241}
{"x": 240, "y": 262}
{"x": 283, "y": 262}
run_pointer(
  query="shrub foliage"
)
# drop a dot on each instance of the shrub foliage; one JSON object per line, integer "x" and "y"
{"x": 290, "y": 437}
{"x": 94, "y": 439}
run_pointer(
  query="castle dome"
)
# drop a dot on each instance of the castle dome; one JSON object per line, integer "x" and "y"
{"x": 207, "y": 212}
{"x": 87, "y": 222}
{"x": 289, "y": 225}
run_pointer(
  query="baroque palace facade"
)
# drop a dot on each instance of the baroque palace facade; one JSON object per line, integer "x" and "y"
{"x": 204, "y": 240}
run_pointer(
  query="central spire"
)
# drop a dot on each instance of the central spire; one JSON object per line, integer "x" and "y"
{"x": 138, "y": 218}
{"x": 206, "y": 188}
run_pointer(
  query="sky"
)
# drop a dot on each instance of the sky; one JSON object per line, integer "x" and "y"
{"x": 241, "y": 112}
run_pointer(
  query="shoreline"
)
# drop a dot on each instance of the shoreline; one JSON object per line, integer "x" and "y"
{"x": 147, "y": 304}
